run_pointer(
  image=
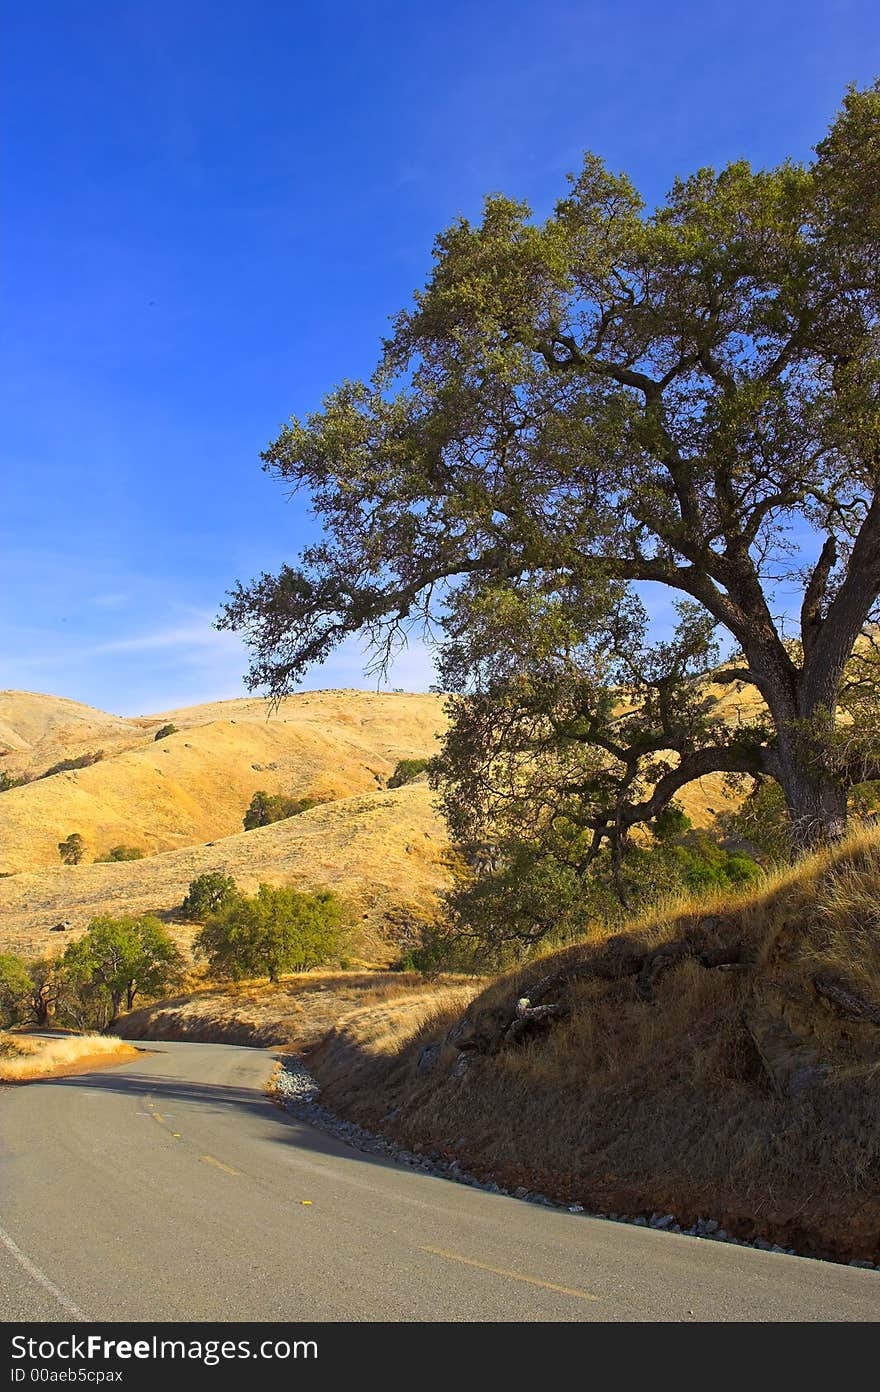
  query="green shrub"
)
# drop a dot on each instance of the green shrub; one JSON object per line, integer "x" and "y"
{"x": 266, "y": 808}
{"x": 706, "y": 867}
{"x": 8, "y": 780}
{"x": 406, "y": 770}
{"x": 73, "y": 849}
{"x": 165, "y": 731}
{"x": 81, "y": 761}
{"x": 121, "y": 853}
{"x": 15, "y": 990}
{"x": 207, "y": 894}
{"x": 276, "y": 930}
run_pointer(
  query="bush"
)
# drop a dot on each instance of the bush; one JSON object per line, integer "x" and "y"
{"x": 8, "y": 780}
{"x": 15, "y": 990}
{"x": 165, "y": 731}
{"x": 406, "y": 770}
{"x": 73, "y": 849}
{"x": 121, "y": 853}
{"x": 530, "y": 897}
{"x": 266, "y": 808}
{"x": 706, "y": 867}
{"x": 81, "y": 761}
{"x": 207, "y": 894}
{"x": 276, "y": 930}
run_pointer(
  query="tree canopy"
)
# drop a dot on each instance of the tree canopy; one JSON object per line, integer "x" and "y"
{"x": 266, "y": 808}
{"x": 208, "y": 893}
{"x": 578, "y": 414}
{"x": 72, "y": 849}
{"x": 118, "y": 959}
{"x": 276, "y": 930}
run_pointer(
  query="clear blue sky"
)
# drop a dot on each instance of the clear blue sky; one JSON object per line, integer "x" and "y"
{"x": 210, "y": 209}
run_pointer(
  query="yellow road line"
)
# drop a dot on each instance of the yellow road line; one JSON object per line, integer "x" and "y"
{"x": 157, "y": 1117}
{"x": 512, "y": 1275}
{"x": 209, "y": 1160}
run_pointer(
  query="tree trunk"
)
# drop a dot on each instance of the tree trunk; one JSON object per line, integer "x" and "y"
{"x": 816, "y": 802}
{"x": 41, "y": 1008}
{"x": 816, "y": 807}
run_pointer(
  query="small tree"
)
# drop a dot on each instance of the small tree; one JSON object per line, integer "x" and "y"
{"x": 266, "y": 808}
{"x": 15, "y": 989}
{"x": 122, "y": 853}
{"x": 165, "y": 731}
{"x": 207, "y": 894}
{"x": 405, "y": 771}
{"x": 123, "y": 957}
{"x": 276, "y": 930}
{"x": 73, "y": 849}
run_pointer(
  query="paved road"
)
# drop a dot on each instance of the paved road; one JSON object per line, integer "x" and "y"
{"x": 170, "y": 1188}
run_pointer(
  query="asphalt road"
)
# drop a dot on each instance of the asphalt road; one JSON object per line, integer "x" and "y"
{"x": 170, "y": 1188}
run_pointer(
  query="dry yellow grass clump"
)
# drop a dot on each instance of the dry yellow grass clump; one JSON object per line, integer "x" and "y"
{"x": 296, "y": 1012}
{"x": 25, "y": 1058}
{"x": 717, "y": 1061}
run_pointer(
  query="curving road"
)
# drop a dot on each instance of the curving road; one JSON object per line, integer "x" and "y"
{"x": 170, "y": 1188}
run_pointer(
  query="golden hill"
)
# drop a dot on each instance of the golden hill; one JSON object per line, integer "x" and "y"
{"x": 194, "y": 786}
{"x": 181, "y": 800}
{"x": 382, "y": 851}
{"x": 37, "y": 730}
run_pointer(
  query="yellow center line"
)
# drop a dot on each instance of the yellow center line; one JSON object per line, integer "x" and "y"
{"x": 209, "y": 1160}
{"x": 512, "y": 1275}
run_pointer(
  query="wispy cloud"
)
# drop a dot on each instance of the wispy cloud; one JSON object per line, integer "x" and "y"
{"x": 192, "y": 638}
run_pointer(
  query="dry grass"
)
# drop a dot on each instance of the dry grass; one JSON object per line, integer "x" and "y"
{"x": 182, "y": 800}
{"x": 383, "y": 852}
{"x": 37, "y": 730}
{"x": 24, "y": 1058}
{"x": 296, "y": 1012}
{"x": 633, "y": 1104}
{"x": 194, "y": 786}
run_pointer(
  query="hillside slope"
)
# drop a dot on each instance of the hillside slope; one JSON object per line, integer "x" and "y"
{"x": 722, "y": 1061}
{"x": 37, "y": 730}
{"x": 383, "y": 851}
{"x": 194, "y": 786}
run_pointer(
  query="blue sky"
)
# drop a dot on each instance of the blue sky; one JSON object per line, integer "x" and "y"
{"x": 210, "y": 210}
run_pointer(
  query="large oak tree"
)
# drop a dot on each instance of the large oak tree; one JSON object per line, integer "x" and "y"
{"x": 576, "y": 411}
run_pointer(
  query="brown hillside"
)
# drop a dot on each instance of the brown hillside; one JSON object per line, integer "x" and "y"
{"x": 194, "y": 786}
{"x": 383, "y": 851}
{"x": 36, "y": 731}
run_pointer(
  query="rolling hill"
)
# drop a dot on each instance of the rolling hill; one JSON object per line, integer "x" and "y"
{"x": 384, "y": 852}
{"x": 193, "y": 786}
{"x": 181, "y": 800}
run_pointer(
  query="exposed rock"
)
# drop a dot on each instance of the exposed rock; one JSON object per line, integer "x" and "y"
{"x": 846, "y": 998}
{"x": 427, "y": 1058}
{"x": 791, "y": 1063}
